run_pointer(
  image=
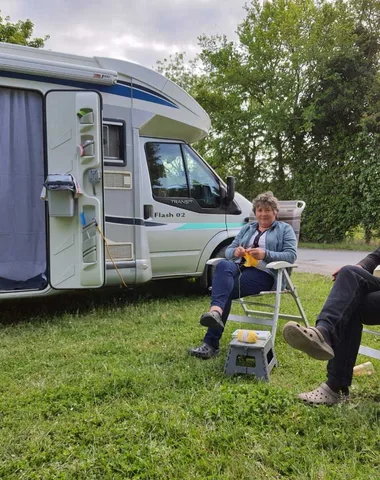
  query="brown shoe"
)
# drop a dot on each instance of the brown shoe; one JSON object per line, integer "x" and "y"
{"x": 309, "y": 340}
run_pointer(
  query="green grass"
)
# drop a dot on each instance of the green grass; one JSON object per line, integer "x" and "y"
{"x": 100, "y": 386}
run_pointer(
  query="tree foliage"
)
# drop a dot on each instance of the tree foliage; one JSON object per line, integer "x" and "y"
{"x": 20, "y": 33}
{"x": 295, "y": 107}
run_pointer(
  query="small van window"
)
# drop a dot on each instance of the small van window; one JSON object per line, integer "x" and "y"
{"x": 113, "y": 142}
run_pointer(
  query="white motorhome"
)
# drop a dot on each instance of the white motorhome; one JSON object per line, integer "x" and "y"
{"x": 106, "y": 143}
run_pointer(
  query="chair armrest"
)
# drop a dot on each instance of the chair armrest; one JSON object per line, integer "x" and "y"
{"x": 273, "y": 265}
{"x": 214, "y": 261}
{"x": 280, "y": 264}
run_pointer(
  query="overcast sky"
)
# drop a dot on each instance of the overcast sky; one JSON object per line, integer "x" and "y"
{"x": 139, "y": 30}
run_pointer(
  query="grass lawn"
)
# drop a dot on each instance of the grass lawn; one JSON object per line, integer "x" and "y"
{"x": 100, "y": 386}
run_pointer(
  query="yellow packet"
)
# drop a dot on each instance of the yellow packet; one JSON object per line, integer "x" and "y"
{"x": 247, "y": 336}
{"x": 250, "y": 261}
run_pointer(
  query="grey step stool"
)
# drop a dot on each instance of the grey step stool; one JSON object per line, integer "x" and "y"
{"x": 251, "y": 358}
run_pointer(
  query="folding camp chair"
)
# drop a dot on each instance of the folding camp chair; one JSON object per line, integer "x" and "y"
{"x": 290, "y": 212}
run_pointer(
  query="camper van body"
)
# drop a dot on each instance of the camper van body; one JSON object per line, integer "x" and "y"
{"x": 107, "y": 144}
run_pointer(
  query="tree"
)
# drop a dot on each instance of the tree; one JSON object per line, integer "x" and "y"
{"x": 289, "y": 103}
{"x": 20, "y": 33}
{"x": 339, "y": 142}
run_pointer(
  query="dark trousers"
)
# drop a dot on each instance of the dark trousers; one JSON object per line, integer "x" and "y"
{"x": 233, "y": 281}
{"x": 353, "y": 301}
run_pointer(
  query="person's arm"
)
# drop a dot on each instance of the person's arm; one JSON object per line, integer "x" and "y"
{"x": 289, "y": 251}
{"x": 230, "y": 251}
{"x": 371, "y": 261}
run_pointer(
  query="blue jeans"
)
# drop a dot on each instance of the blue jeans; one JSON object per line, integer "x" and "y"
{"x": 353, "y": 301}
{"x": 233, "y": 281}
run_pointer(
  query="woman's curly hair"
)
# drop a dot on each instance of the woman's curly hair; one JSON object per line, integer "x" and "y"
{"x": 266, "y": 199}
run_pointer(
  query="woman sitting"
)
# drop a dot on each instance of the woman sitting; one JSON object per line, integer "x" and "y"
{"x": 244, "y": 271}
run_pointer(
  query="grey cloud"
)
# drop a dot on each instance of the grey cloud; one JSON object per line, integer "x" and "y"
{"x": 127, "y": 28}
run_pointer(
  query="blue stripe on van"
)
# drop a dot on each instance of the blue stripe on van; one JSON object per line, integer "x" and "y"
{"x": 123, "y": 89}
{"x": 132, "y": 221}
{"x": 145, "y": 89}
{"x": 125, "y": 220}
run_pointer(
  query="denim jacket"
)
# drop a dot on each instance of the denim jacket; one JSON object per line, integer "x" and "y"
{"x": 280, "y": 243}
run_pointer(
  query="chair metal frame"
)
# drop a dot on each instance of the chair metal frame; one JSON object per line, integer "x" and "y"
{"x": 270, "y": 318}
{"x": 368, "y": 351}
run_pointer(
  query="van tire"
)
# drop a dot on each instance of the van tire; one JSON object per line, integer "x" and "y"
{"x": 221, "y": 253}
{"x": 205, "y": 281}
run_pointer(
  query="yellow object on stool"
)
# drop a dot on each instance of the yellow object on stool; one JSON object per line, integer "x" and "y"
{"x": 247, "y": 336}
{"x": 250, "y": 261}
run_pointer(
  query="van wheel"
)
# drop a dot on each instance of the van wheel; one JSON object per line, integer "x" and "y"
{"x": 205, "y": 281}
{"x": 221, "y": 253}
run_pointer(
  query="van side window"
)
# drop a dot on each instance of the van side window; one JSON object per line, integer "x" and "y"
{"x": 166, "y": 170}
{"x": 113, "y": 142}
{"x": 176, "y": 171}
{"x": 204, "y": 187}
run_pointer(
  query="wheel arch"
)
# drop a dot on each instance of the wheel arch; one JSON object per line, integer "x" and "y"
{"x": 205, "y": 279}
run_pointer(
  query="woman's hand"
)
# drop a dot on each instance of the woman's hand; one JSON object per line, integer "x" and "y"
{"x": 258, "y": 253}
{"x": 239, "y": 252}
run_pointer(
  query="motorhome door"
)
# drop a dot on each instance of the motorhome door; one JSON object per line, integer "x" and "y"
{"x": 74, "y": 189}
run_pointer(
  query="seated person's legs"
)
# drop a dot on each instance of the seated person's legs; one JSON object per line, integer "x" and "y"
{"x": 339, "y": 327}
{"x": 250, "y": 282}
{"x": 225, "y": 279}
{"x": 350, "y": 288}
{"x": 340, "y": 368}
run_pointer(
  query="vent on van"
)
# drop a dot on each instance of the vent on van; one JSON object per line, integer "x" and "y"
{"x": 120, "y": 251}
{"x": 117, "y": 180}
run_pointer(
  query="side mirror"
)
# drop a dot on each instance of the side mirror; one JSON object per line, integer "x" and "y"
{"x": 230, "y": 190}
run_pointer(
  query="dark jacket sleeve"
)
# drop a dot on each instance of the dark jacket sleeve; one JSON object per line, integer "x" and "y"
{"x": 371, "y": 261}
